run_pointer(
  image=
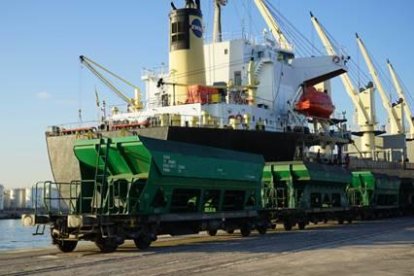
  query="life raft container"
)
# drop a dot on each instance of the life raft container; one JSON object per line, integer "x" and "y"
{"x": 314, "y": 103}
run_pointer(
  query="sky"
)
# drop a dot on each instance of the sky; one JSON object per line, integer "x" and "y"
{"x": 42, "y": 82}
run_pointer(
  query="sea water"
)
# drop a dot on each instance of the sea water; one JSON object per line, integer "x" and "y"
{"x": 14, "y": 236}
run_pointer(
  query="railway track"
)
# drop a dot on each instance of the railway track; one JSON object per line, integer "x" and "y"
{"x": 201, "y": 254}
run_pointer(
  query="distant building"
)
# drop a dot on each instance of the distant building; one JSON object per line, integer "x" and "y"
{"x": 29, "y": 200}
{"x": 7, "y": 199}
{"x": 18, "y": 198}
{"x": 1, "y": 197}
{"x": 42, "y": 198}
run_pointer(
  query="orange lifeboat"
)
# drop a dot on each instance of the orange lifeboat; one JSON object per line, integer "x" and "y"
{"x": 315, "y": 103}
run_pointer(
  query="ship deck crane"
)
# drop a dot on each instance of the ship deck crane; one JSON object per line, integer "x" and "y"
{"x": 217, "y": 33}
{"x": 273, "y": 25}
{"x": 396, "y": 120}
{"x": 346, "y": 80}
{"x": 401, "y": 94}
{"x": 135, "y": 102}
{"x": 363, "y": 102}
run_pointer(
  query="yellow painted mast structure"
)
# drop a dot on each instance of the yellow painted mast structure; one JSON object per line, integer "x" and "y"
{"x": 363, "y": 101}
{"x": 394, "y": 111}
{"x": 272, "y": 24}
{"x": 401, "y": 94}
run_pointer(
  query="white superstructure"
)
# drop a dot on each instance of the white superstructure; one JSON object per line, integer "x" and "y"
{"x": 280, "y": 78}
{"x": 258, "y": 80}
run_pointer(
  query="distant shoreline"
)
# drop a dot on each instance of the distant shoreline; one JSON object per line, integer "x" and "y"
{"x": 13, "y": 214}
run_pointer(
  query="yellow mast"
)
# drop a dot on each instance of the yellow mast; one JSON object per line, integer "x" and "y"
{"x": 401, "y": 94}
{"x": 397, "y": 126}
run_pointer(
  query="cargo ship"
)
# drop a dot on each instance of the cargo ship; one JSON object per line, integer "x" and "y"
{"x": 246, "y": 140}
{"x": 243, "y": 94}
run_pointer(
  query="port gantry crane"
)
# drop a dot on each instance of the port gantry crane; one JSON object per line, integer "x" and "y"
{"x": 363, "y": 100}
{"x": 135, "y": 103}
{"x": 401, "y": 94}
{"x": 394, "y": 110}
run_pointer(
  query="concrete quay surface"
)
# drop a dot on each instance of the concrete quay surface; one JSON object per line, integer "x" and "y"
{"x": 381, "y": 247}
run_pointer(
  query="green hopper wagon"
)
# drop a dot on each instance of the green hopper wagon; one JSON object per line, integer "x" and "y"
{"x": 306, "y": 192}
{"x": 373, "y": 194}
{"x": 137, "y": 188}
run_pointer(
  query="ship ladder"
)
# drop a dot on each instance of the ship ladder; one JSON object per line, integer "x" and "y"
{"x": 101, "y": 173}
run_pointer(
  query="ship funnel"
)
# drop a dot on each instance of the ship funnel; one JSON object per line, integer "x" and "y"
{"x": 186, "y": 58}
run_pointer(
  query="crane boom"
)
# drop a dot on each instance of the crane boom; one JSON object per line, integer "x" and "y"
{"x": 135, "y": 102}
{"x": 401, "y": 94}
{"x": 363, "y": 102}
{"x": 273, "y": 25}
{"x": 396, "y": 122}
{"x": 217, "y": 33}
{"x": 346, "y": 80}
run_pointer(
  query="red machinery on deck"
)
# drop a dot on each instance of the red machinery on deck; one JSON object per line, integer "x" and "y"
{"x": 202, "y": 94}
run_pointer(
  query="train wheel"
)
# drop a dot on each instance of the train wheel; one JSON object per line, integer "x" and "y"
{"x": 288, "y": 225}
{"x": 340, "y": 220}
{"x": 230, "y": 231}
{"x": 106, "y": 245}
{"x": 261, "y": 229}
{"x": 212, "y": 232}
{"x": 143, "y": 242}
{"x": 66, "y": 246}
{"x": 245, "y": 230}
{"x": 302, "y": 225}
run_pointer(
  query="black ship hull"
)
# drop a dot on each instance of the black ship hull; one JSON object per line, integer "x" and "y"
{"x": 273, "y": 146}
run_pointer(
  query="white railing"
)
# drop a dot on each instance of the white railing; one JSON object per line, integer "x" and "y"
{"x": 386, "y": 155}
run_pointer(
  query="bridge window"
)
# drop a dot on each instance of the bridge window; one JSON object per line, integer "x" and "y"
{"x": 237, "y": 78}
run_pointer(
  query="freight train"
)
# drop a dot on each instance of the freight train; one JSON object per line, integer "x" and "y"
{"x": 136, "y": 188}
